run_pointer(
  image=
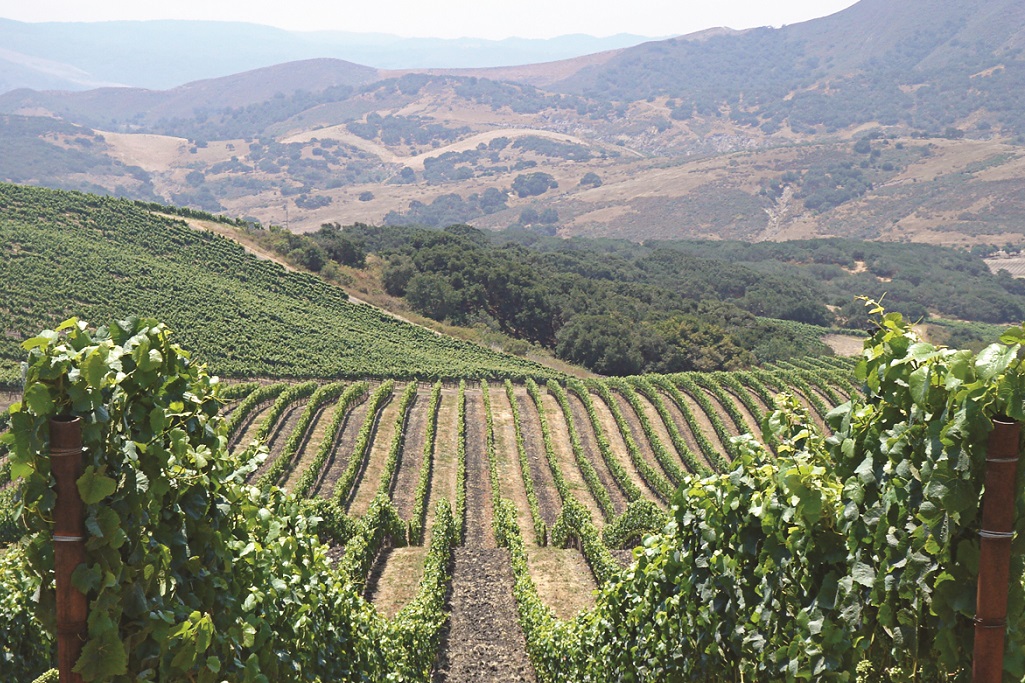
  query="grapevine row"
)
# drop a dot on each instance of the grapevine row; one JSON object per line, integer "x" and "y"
{"x": 460, "y": 508}
{"x": 343, "y": 487}
{"x": 249, "y": 404}
{"x": 540, "y": 528}
{"x": 673, "y": 471}
{"x": 353, "y": 395}
{"x": 587, "y": 470}
{"x": 423, "y": 485}
{"x": 725, "y": 437}
{"x": 297, "y": 438}
{"x": 619, "y": 473}
{"x": 658, "y": 483}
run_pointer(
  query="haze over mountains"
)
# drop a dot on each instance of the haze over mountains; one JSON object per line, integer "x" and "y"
{"x": 886, "y": 120}
{"x": 165, "y": 54}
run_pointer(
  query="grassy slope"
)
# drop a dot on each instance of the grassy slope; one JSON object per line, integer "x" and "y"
{"x": 67, "y": 254}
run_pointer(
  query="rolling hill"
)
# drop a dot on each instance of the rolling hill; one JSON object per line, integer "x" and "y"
{"x": 883, "y": 121}
{"x": 67, "y": 254}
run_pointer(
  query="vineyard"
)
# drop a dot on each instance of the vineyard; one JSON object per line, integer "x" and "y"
{"x": 486, "y": 529}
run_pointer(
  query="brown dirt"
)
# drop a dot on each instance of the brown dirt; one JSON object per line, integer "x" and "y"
{"x": 443, "y": 476}
{"x": 611, "y": 429}
{"x": 637, "y": 432}
{"x": 706, "y": 423}
{"x": 511, "y": 479}
{"x": 684, "y": 426}
{"x": 564, "y": 454}
{"x": 749, "y": 419}
{"x": 411, "y": 459}
{"x": 310, "y": 446}
{"x": 483, "y": 641}
{"x": 754, "y": 395}
{"x": 340, "y": 454}
{"x": 394, "y": 578}
{"x": 479, "y": 533}
{"x": 279, "y": 435}
{"x": 368, "y": 482}
{"x": 843, "y": 345}
{"x": 656, "y": 423}
{"x": 587, "y": 440}
{"x": 563, "y": 579}
{"x": 247, "y": 431}
{"x": 540, "y": 472}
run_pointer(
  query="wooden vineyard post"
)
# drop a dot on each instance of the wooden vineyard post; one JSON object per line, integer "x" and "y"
{"x": 68, "y": 543}
{"x": 998, "y": 506}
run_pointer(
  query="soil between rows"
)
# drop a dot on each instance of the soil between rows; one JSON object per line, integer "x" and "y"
{"x": 311, "y": 444}
{"x": 247, "y": 430}
{"x": 704, "y": 423}
{"x": 688, "y": 435}
{"x": 479, "y": 533}
{"x": 590, "y": 445}
{"x": 540, "y": 472}
{"x": 752, "y": 422}
{"x": 637, "y": 431}
{"x": 443, "y": 475}
{"x": 563, "y": 446}
{"x": 411, "y": 458}
{"x": 342, "y": 451}
{"x": 276, "y": 443}
{"x": 483, "y": 640}
{"x": 618, "y": 446}
{"x": 368, "y": 481}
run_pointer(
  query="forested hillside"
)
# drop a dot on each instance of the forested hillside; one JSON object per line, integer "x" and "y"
{"x": 67, "y": 254}
{"x": 621, "y": 308}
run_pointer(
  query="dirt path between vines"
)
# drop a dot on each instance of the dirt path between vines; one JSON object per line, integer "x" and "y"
{"x": 342, "y": 452}
{"x": 479, "y": 533}
{"x": 704, "y": 422}
{"x": 540, "y": 473}
{"x": 563, "y": 579}
{"x": 368, "y": 482}
{"x": 247, "y": 431}
{"x": 312, "y": 443}
{"x": 510, "y": 477}
{"x": 754, "y": 394}
{"x": 749, "y": 418}
{"x": 394, "y": 578}
{"x": 618, "y": 445}
{"x": 279, "y": 436}
{"x": 688, "y": 434}
{"x": 567, "y": 460}
{"x": 593, "y": 453}
{"x": 483, "y": 641}
{"x": 443, "y": 475}
{"x": 657, "y": 426}
{"x": 411, "y": 458}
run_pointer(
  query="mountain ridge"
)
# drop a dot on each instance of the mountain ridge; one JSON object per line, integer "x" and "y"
{"x": 881, "y": 121}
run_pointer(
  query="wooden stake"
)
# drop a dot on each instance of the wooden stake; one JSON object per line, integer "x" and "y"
{"x": 998, "y": 506}
{"x": 68, "y": 543}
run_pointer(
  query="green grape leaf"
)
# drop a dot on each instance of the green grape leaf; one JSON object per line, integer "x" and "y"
{"x": 103, "y": 657}
{"x": 94, "y": 486}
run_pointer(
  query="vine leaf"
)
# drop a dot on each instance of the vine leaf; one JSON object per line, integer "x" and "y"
{"x": 94, "y": 486}
{"x": 103, "y": 657}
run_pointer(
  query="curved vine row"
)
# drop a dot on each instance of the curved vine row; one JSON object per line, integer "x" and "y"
{"x": 540, "y": 528}
{"x": 423, "y": 484}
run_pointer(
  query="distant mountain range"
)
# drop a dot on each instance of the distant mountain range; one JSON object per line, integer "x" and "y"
{"x": 165, "y": 54}
{"x": 886, "y": 120}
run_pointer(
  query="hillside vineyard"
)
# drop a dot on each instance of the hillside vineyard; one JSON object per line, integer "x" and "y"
{"x": 606, "y": 455}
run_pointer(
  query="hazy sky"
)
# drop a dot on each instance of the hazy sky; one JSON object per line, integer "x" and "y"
{"x": 447, "y": 18}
